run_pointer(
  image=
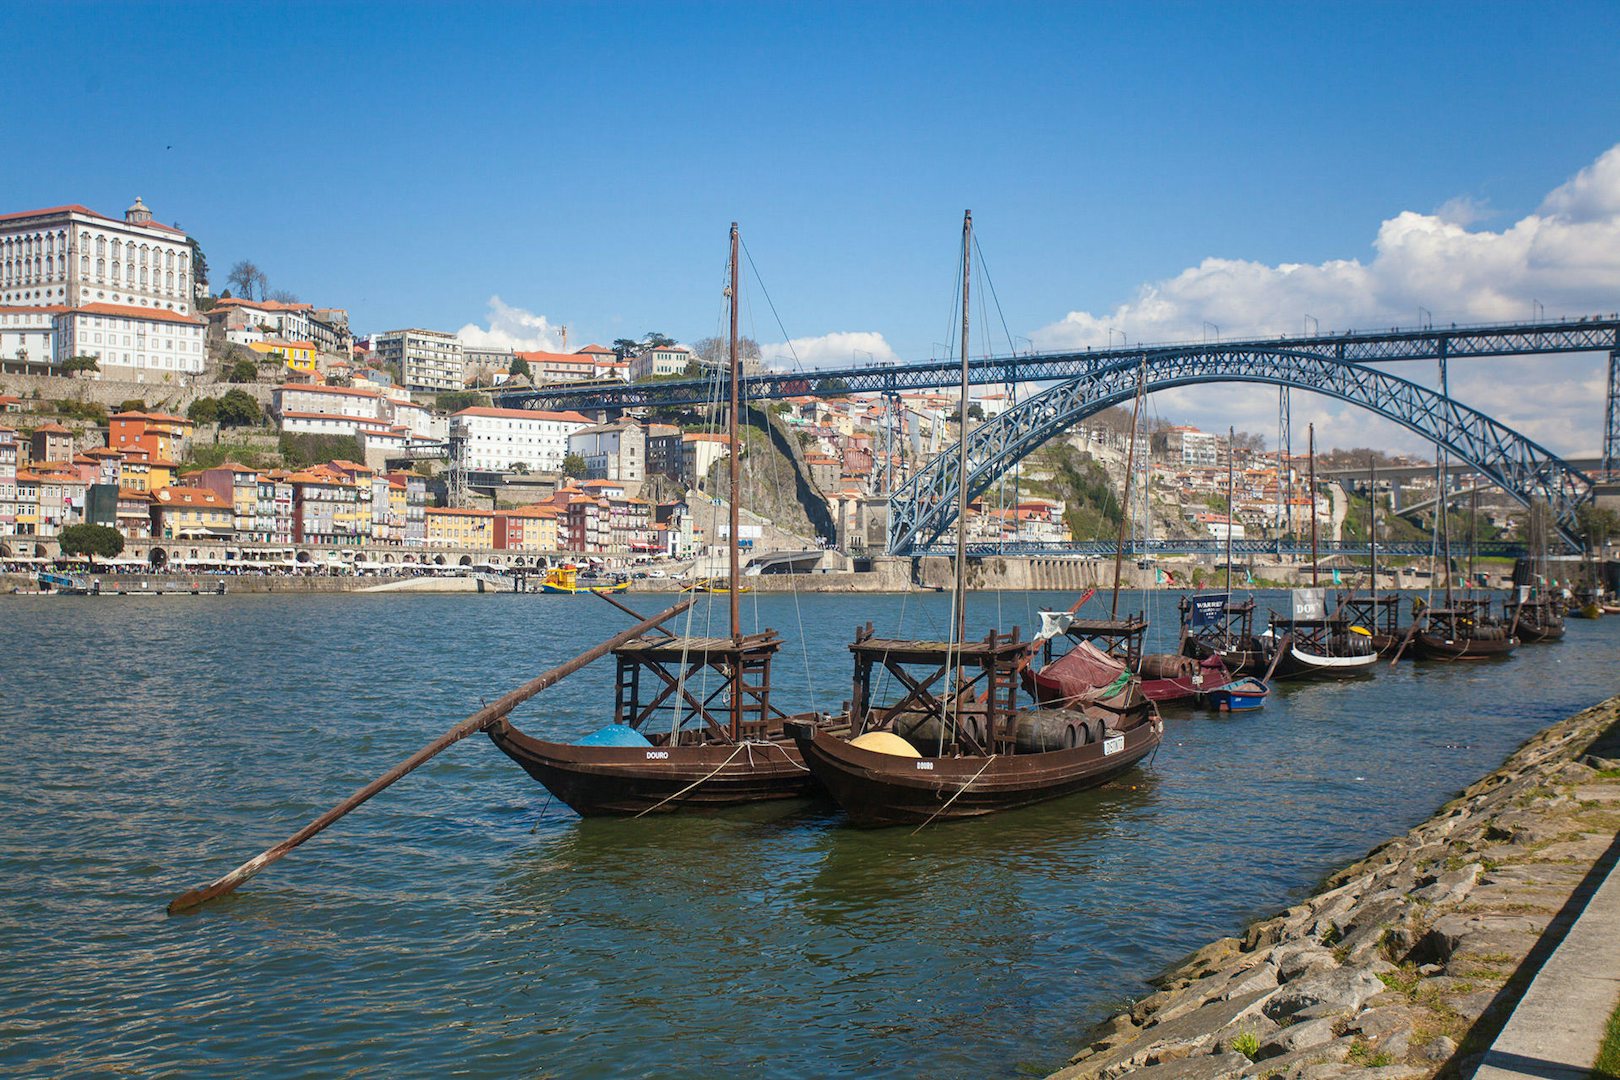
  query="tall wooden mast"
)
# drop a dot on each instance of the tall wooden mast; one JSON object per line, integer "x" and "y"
{"x": 1315, "y": 572}
{"x": 733, "y": 453}
{"x": 959, "y": 630}
{"x": 1372, "y": 532}
{"x": 1125, "y": 500}
{"x": 736, "y": 472}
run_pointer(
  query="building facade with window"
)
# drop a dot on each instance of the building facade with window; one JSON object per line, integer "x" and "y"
{"x": 498, "y": 439}
{"x": 427, "y": 359}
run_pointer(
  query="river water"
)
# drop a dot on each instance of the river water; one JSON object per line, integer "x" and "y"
{"x": 463, "y": 923}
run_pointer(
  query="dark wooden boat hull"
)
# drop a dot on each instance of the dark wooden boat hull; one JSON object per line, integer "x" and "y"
{"x": 1388, "y": 645}
{"x": 1240, "y": 659}
{"x": 1171, "y": 691}
{"x": 883, "y": 789}
{"x": 1297, "y": 664}
{"x": 1438, "y": 647}
{"x": 607, "y": 781}
{"x": 1531, "y": 633}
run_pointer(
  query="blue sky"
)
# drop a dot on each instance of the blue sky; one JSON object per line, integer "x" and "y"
{"x": 581, "y": 162}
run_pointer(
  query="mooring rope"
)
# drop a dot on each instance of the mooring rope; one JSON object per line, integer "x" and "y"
{"x": 952, "y": 799}
{"x": 740, "y": 748}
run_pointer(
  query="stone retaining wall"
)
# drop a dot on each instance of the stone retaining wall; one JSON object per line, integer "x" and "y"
{"x": 1407, "y": 963}
{"x": 173, "y": 396}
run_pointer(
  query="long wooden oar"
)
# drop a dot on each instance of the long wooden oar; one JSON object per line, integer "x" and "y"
{"x": 1283, "y": 646}
{"x": 475, "y": 723}
{"x": 1411, "y": 632}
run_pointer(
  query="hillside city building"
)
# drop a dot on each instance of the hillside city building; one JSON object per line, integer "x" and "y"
{"x": 77, "y": 283}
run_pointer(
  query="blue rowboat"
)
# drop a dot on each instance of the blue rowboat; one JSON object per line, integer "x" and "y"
{"x": 1240, "y": 695}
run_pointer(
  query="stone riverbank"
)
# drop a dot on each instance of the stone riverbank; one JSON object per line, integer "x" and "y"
{"x": 1407, "y": 963}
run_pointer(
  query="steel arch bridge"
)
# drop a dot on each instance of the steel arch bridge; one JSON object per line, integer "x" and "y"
{"x": 925, "y": 506}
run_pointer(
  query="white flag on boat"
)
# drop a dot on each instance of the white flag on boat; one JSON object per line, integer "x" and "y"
{"x": 1309, "y": 604}
{"x": 1054, "y": 623}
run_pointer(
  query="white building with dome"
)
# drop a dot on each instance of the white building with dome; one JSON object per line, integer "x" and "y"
{"x": 121, "y": 291}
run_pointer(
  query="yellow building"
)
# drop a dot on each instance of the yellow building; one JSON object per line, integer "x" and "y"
{"x": 182, "y": 512}
{"x": 460, "y": 528}
{"x": 527, "y": 529}
{"x": 299, "y": 356}
{"x": 399, "y": 506}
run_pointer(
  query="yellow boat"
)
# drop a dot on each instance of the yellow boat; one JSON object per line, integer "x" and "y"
{"x": 565, "y": 579}
{"x": 713, "y": 585}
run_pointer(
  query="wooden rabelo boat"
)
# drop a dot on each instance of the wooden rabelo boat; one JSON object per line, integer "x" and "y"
{"x": 693, "y": 725}
{"x": 1463, "y": 630}
{"x": 968, "y": 751}
{"x": 1164, "y": 677}
{"x": 1379, "y": 614}
{"x": 1534, "y": 618}
{"x": 673, "y": 746}
{"x": 955, "y": 744}
{"x": 1212, "y": 625}
{"x": 1312, "y": 644}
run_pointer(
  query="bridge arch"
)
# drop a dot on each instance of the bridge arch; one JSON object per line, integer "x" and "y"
{"x": 925, "y": 506}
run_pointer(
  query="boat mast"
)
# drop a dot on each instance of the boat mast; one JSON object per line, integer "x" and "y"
{"x": 736, "y": 495}
{"x": 1315, "y": 571}
{"x": 1125, "y": 501}
{"x": 1231, "y": 433}
{"x": 1225, "y": 620}
{"x": 959, "y": 629}
{"x": 1473, "y": 527}
{"x": 1372, "y": 532}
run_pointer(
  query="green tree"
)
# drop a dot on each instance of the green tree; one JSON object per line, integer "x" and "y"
{"x": 238, "y": 409}
{"x": 623, "y": 347}
{"x": 75, "y": 364}
{"x": 1597, "y": 524}
{"x": 91, "y": 540}
{"x": 831, "y": 385}
{"x": 574, "y": 465}
{"x": 655, "y": 340}
{"x": 519, "y": 366}
{"x": 521, "y": 468}
{"x": 133, "y": 405}
{"x": 199, "y": 266}
{"x": 975, "y": 412}
{"x": 244, "y": 370}
{"x": 203, "y": 411}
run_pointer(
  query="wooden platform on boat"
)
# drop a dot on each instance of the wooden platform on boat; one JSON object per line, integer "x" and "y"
{"x": 903, "y": 651}
{"x": 1134, "y": 624}
{"x": 696, "y": 649}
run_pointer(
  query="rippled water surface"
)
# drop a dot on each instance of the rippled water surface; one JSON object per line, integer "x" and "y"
{"x": 463, "y": 923}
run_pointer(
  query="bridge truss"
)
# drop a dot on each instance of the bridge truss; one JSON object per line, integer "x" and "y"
{"x": 1241, "y": 549}
{"x": 1429, "y": 343}
{"x": 926, "y": 505}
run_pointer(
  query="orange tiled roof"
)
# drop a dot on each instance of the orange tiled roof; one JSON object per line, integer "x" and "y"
{"x": 125, "y": 311}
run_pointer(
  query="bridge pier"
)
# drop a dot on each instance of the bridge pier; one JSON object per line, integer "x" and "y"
{"x": 1611, "y": 419}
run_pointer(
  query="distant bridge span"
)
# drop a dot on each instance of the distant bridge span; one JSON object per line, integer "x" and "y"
{"x": 922, "y": 509}
{"x": 1589, "y": 334}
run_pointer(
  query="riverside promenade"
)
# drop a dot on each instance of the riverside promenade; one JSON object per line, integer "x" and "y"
{"x": 1486, "y": 941}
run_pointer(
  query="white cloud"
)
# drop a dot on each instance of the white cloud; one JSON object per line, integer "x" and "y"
{"x": 838, "y": 349}
{"x": 1565, "y": 255}
{"x": 1463, "y": 210}
{"x": 513, "y": 328}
